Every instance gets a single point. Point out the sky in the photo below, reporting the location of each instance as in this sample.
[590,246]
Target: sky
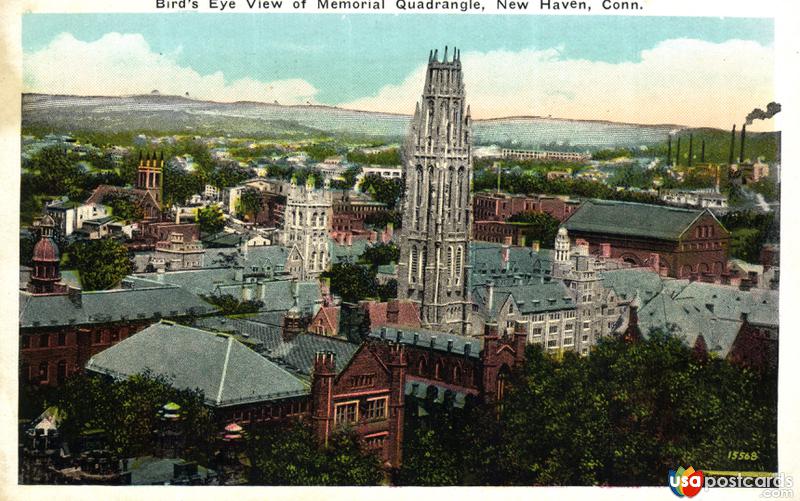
[688,71]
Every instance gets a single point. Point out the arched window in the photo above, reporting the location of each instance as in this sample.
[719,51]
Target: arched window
[459,193]
[422,366]
[44,372]
[457,374]
[437,370]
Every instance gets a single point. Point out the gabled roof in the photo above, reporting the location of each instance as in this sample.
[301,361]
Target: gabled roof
[226,371]
[534,297]
[632,219]
[109,306]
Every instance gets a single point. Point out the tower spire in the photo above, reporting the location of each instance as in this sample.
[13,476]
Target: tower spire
[434,250]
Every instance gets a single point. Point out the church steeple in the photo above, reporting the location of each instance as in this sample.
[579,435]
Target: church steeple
[437,160]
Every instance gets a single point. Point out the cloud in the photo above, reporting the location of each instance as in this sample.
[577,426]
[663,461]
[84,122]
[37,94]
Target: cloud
[681,81]
[125,64]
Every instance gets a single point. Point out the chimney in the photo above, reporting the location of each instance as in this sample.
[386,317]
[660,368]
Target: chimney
[393,311]
[449,345]
[505,249]
[741,146]
[733,145]
[605,250]
[373,236]
[521,240]
[349,239]
[467,349]
[535,246]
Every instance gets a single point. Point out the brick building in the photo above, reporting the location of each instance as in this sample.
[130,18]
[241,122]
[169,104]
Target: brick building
[681,243]
[501,206]
[60,328]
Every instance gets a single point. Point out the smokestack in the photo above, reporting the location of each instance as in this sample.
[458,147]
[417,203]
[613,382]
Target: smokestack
[678,154]
[691,140]
[669,149]
[703,152]
[741,148]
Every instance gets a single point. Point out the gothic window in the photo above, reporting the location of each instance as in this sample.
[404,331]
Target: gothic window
[437,370]
[413,265]
[422,367]
[423,262]
[459,193]
[450,263]
[449,184]
[459,264]
[457,374]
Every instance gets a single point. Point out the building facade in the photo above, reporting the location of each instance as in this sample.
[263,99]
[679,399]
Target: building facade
[437,211]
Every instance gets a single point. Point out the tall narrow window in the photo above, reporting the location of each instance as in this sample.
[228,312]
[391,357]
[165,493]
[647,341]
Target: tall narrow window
[423,262]
[413,265]
[459,264]
[450,262]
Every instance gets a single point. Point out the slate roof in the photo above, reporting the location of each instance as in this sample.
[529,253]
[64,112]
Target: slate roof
[226,371]
[529,298]
[347,253]
[632,219]
[109,306]
[689,309]
[297,354]
[435,340]
[277,294]
[420,390]
[486,261]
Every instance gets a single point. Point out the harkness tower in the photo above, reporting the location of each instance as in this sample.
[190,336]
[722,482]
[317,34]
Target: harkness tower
[437,163]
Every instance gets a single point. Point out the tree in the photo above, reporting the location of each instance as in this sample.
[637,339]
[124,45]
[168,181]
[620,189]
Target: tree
[249,203]
[287,454]
[387,191]
[230,305]
[123,207]
[622,416]
[102,264]
[380,254]
[126,411]
[538,226]
[210,219]
[353,282]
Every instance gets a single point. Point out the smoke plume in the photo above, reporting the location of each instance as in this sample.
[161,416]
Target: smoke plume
[759,114]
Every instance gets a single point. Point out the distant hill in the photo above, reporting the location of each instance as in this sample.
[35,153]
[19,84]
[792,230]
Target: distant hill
[175,114]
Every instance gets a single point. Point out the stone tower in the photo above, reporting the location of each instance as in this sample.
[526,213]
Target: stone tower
[562,246]
[437,209]
[150,175]
[306,223]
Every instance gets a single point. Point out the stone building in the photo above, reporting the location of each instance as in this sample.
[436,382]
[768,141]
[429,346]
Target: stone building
[306,229]
[437,209]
